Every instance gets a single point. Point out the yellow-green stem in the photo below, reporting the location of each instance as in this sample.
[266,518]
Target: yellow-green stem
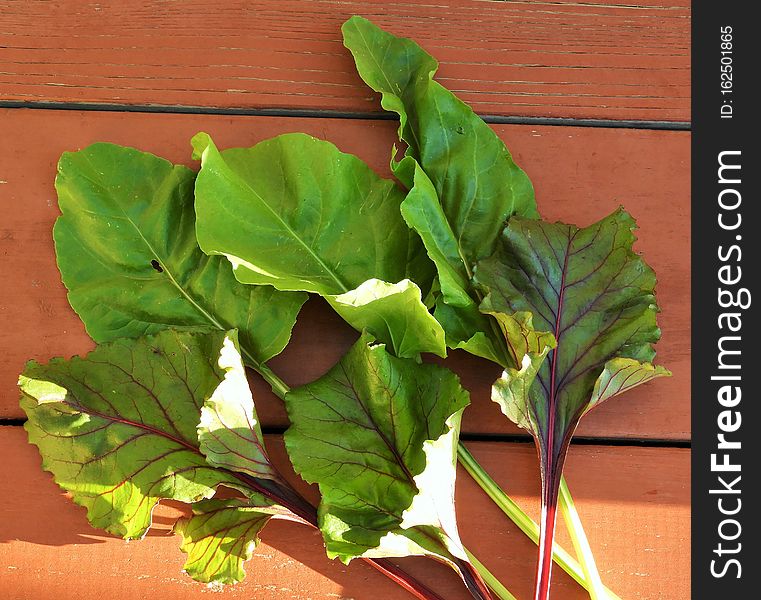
[596,588]
[500,591]
[525,523]
[279,387]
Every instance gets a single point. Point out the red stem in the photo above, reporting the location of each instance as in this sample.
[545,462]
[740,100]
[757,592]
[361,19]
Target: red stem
[473,581]
[399,576]
[552,470]
[282,493]
[547,529]
[551,462]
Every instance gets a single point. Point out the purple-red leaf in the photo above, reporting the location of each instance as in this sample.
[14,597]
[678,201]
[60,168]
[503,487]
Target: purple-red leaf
[117,428]
[595,296]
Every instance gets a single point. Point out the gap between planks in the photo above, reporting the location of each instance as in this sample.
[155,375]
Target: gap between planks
[511,438]
[337,114]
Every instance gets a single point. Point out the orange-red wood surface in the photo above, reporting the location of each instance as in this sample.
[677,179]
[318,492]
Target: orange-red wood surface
[634,502]
[612,60]
[560,58]
[580,175]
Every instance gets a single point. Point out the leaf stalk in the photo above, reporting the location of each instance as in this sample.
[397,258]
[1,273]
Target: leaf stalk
[581,545]
[525,523]
[550,489]
[499,590]
[279,387]
[475,582]
[289,498]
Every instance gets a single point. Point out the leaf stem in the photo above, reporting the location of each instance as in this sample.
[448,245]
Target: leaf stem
[282,493]
[571,517]
[500,591]
[279,387]
[402,578]
[547,520]
[525,523]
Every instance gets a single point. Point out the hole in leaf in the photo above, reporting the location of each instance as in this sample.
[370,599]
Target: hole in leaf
[156,265]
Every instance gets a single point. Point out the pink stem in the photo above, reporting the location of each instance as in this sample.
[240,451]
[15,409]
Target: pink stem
[552,471]
[544,567]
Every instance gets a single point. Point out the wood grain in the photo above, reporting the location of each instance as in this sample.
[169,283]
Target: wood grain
[634,502]
[580,175]
[559,58]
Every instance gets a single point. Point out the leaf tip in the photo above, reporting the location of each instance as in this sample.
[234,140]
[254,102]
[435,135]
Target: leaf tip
[200,142]
[354,21]
[661,371]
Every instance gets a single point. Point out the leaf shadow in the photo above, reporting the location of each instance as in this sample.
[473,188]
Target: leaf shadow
[37,512]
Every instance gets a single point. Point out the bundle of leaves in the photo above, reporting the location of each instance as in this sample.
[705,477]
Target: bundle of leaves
[184,278]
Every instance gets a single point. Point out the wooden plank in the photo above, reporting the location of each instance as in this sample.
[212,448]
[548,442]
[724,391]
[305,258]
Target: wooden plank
[580,174]
[602,59]
[634,502]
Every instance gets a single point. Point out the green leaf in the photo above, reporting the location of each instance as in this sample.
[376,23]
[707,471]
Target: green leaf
[476,180]
[220,536]
[378,434]
[621,375]
[296,213]
[464,183]
[521,339]
[512,390]
[457,308]
[596,296]
[393,314]
[117,428]
[470,330]
[590,290]
[128,255]
[424,213]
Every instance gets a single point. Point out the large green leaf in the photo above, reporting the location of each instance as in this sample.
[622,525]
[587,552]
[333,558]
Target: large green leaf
[117,428]
[476,180]
[463,182]
[378,434]
[221,535]
[128,255]
[296,213]
[595,299]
